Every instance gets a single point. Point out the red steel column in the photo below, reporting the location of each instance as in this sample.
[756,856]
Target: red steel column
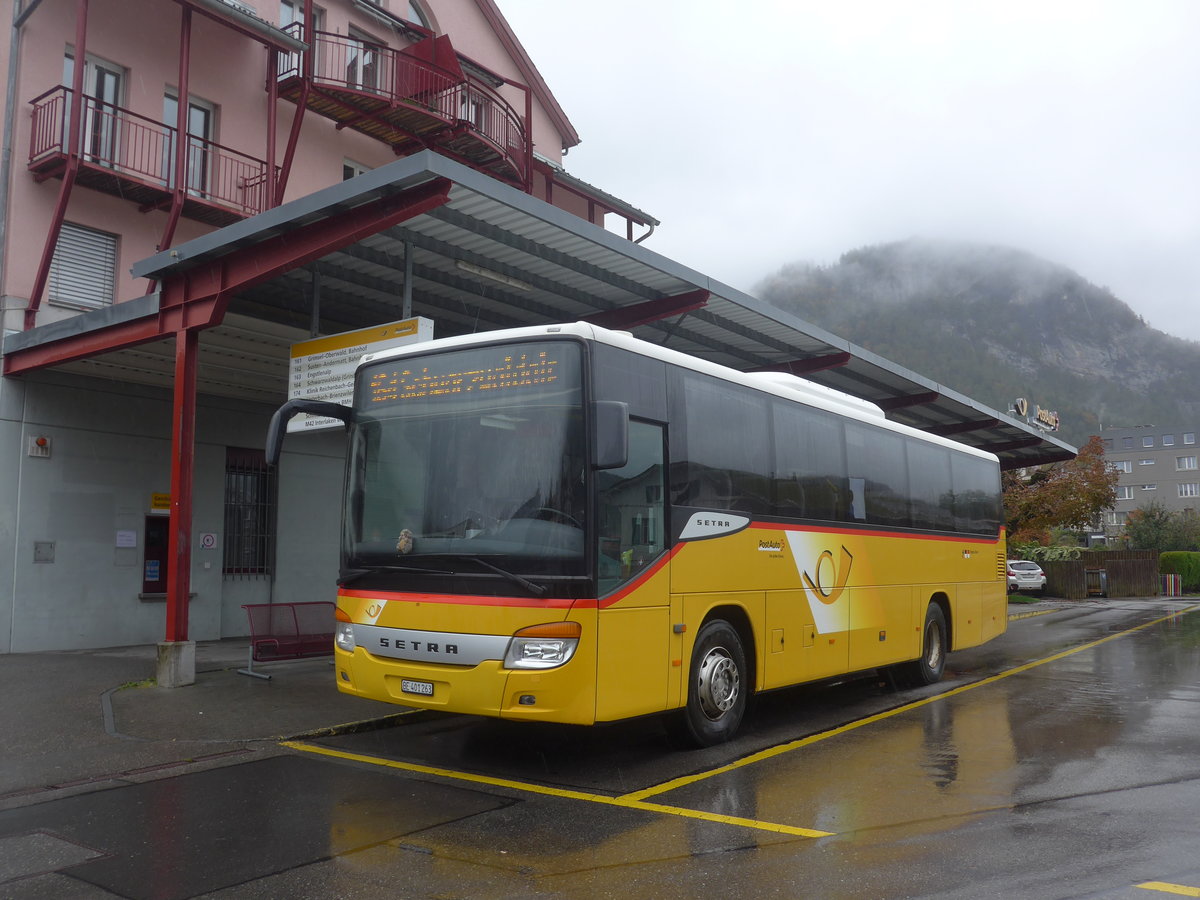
[74,150]
[183,453]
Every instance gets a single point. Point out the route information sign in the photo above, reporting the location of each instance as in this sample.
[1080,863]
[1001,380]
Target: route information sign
[323,368]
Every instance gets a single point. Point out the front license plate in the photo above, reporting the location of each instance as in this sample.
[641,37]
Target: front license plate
[425,688]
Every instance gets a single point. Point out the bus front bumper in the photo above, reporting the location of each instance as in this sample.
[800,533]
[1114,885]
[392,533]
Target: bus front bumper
[563,694]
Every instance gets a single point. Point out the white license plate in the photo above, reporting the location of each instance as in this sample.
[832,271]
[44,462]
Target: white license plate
[425,688]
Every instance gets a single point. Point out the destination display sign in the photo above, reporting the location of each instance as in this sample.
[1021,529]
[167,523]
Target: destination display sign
[323,368]
[470,373]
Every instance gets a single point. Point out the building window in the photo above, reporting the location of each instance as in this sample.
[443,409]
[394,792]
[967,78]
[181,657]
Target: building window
[1127,442]
[104,85]
[1150,487]
[1168,440]
[1125,493]
[201,129]
[84,268]
[291,20]
[417,15]
[1116,518]
[1184,462]
[351,169]
[1145,462]
[249,513]
[362,61]
[1123,465]
[1147,442]
[1189,490]
[1189,437]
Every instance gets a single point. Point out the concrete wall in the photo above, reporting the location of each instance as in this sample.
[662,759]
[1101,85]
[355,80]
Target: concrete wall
[110,451]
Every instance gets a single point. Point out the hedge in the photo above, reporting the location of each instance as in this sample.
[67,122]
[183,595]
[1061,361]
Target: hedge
[1185,564]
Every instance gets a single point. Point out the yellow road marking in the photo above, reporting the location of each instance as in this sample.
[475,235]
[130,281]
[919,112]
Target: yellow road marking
[637,799]
[780,749]
[1165,888]
[1037,612]
[530,788]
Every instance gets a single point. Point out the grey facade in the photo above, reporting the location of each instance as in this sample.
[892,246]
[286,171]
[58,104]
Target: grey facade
[1155,464]
[73,524]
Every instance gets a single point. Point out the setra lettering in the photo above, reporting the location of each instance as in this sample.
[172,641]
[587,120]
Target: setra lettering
[419,646]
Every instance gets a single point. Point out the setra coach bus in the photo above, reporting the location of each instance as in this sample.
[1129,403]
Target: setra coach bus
[567,524]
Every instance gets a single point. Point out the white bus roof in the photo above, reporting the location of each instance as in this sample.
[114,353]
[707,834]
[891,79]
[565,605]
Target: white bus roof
[781,384]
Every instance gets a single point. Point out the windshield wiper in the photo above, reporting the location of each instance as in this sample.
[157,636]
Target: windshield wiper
[346,576]
[536,589]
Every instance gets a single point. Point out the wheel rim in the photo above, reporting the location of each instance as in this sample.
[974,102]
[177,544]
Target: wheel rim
[933,646]
[719,683]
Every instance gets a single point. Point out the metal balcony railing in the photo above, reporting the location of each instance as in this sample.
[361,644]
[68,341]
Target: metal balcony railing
[136,147]
[418,98]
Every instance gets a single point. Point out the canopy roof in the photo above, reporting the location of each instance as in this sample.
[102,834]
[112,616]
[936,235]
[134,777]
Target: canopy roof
[483,255]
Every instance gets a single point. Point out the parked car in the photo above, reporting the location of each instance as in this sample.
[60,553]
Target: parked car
[1025,576]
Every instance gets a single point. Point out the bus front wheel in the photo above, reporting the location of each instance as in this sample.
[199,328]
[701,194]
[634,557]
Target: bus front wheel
[935,642]
[717,689]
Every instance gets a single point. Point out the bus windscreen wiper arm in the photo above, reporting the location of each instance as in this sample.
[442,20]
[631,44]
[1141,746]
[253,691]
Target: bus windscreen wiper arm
[536,589]
[346,576]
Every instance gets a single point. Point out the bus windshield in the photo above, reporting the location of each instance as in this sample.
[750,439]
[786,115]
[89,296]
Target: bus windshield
[472,456]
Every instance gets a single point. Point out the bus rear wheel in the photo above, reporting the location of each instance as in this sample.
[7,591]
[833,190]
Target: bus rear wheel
[717,689]
[935,643]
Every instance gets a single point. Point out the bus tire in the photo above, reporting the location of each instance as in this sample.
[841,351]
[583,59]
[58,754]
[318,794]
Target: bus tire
[717,689]
[935,641]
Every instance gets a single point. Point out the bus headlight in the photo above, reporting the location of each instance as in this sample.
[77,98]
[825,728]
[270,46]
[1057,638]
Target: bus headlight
[543,646]
[343,637]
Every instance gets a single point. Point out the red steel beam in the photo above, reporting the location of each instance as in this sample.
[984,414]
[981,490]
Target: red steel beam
[908,400]
[288,250]
[962,427]
[812,364]
[197,298]
[183,446]
[650,311]
[74,151]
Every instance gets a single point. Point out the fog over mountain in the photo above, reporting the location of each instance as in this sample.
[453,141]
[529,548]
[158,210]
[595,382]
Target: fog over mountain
[996,324]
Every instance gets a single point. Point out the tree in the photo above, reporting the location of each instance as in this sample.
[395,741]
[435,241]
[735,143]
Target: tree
[1069,494]
[1154,527]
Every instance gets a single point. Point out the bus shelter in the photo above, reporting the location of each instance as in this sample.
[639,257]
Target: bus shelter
[426,236]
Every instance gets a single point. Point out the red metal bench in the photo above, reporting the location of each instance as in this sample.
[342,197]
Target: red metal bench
[288,631]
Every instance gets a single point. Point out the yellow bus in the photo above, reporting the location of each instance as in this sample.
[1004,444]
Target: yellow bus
[567,524]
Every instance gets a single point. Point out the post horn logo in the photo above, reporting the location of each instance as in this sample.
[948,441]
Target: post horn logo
[841,575]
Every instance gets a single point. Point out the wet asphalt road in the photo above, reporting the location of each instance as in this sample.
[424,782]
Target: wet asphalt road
[1058,761]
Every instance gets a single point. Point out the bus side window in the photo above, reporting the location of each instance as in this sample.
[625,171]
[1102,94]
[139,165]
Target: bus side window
[632,518]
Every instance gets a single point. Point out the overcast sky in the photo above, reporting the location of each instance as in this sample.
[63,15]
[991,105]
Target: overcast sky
[767,132]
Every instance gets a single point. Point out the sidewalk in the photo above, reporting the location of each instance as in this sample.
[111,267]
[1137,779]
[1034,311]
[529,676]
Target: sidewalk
[75,720]
[79,720]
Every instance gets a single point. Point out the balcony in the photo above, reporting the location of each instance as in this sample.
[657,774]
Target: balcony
[133,157]
[409,102]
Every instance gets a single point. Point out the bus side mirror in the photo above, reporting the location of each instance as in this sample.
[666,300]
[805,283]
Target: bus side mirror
[611,435]
[278,427]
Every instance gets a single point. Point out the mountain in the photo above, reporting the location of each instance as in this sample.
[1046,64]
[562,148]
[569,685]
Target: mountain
[996,324]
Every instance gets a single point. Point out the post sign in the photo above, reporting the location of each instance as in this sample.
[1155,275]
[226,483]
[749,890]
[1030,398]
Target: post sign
[323,368]
[1045,419]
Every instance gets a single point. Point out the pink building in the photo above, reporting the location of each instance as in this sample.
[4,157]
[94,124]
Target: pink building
[105,366]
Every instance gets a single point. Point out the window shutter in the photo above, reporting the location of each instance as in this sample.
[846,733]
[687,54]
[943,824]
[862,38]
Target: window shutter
[84,268]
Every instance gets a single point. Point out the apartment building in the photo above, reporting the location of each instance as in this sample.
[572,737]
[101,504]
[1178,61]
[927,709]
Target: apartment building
[134,402]
[1155,464]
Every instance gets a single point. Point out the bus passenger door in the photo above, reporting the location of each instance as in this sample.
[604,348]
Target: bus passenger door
[633,624]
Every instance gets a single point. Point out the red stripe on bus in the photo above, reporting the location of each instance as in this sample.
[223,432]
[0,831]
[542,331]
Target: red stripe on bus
[868,532]
[641,579]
